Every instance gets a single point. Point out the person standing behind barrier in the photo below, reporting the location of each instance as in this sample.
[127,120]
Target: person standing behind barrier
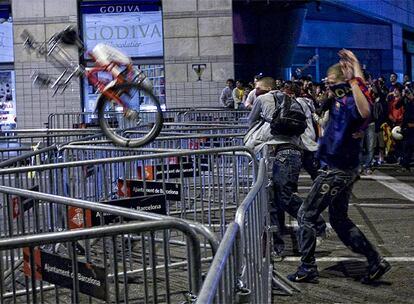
[407,126]
[309,139]
[393,82]
[287,158]
[395,117]
[226,97]
[379,115]
[238,93]
[251,97]
[339,148]
[368,139]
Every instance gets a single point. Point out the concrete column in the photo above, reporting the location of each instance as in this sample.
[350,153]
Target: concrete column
[42,18]
[197,32]
[397,51]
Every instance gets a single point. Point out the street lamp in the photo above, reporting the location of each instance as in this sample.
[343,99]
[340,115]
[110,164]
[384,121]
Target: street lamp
[199,69]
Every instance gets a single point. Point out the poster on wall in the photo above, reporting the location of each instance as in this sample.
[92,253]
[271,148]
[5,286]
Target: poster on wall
[135,33]
[7,101]
[6,41]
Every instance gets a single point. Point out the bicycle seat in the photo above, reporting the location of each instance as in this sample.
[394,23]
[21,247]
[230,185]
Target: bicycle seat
[106,54]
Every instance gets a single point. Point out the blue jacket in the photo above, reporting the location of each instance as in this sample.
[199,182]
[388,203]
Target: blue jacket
[337,147]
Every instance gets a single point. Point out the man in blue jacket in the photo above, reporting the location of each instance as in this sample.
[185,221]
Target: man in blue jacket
[339,149]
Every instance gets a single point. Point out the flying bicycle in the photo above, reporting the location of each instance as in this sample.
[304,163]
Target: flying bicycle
[129,91]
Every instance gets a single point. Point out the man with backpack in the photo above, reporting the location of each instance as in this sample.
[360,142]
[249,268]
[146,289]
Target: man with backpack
[339,149]
[277,120]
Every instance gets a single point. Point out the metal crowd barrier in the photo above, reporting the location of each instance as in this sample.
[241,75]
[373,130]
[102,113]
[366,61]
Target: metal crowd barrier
[206,127]
[197,141]
[28,138]
[216,115]
[167,256]
[177,140]
[89,119]
[241,271]
[204,185]
[72,120]
[109,272]
[11,152]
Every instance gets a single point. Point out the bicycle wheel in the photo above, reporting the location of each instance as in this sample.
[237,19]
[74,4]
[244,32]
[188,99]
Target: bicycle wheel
[136,125]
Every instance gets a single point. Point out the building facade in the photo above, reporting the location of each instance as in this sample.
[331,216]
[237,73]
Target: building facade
[183,41]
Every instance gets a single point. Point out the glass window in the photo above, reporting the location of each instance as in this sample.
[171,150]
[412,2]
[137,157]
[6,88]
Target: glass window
[154,72]
[7,100]
[6,35]
[6,41]
[137,34]
[7,79]
[135,28]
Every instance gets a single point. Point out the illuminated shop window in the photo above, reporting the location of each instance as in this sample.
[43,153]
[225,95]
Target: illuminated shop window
[7,79]
[135,28]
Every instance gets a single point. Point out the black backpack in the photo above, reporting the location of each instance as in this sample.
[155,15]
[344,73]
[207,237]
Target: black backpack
[289,117]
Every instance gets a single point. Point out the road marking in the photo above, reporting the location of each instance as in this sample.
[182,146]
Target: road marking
[294,224]
[385,205]
[344,259]
[390,182]
[395,185]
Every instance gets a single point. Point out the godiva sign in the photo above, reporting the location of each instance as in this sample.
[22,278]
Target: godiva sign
[119,9]
[136,33]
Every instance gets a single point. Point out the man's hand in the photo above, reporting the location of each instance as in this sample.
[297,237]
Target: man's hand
[350,64]
[359,134]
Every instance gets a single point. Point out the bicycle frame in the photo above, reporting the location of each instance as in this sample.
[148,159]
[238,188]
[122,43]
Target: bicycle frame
[104,87]
[62,60]
[126,80]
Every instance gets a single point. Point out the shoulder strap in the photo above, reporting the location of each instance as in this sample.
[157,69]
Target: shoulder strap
[278,102]
[275,98]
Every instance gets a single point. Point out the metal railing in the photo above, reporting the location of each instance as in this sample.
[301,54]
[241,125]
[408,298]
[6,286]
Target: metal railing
[89,119]
[51,276]
[241,271]
[207,182]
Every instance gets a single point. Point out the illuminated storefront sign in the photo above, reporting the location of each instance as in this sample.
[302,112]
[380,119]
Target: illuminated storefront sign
[135,28]
[132,28]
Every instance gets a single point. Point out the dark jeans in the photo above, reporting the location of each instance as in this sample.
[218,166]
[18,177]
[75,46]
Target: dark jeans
[331,189]
[286,169]
[311,163]
[369,144]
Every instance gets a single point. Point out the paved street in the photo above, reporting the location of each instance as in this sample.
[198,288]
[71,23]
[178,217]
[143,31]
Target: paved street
[383,207]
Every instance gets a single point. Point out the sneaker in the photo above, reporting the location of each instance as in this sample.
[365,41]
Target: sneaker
[376,271]
[368,171]
[304,275]
[276,256]
[319,241]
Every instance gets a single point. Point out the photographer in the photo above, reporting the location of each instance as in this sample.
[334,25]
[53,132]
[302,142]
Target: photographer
[407,126]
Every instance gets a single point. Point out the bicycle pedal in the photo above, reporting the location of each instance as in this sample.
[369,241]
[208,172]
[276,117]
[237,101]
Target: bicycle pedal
[131,115]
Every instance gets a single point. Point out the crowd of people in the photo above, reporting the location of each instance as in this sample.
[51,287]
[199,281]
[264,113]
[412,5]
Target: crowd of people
[348,116]
[393,106]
